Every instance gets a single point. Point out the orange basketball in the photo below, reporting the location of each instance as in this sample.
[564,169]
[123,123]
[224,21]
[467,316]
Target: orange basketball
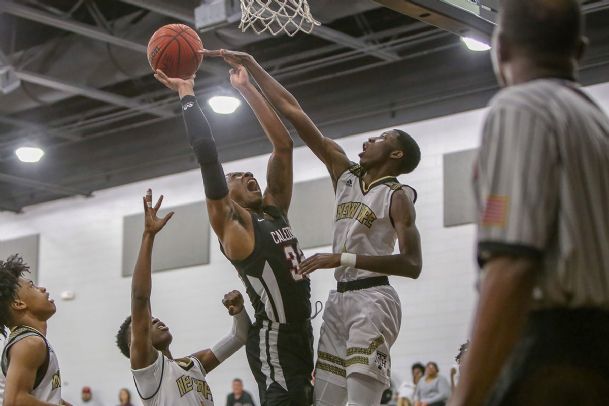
[175,49]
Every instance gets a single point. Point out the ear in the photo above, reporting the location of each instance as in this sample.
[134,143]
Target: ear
[582,47]
[18,305]
[503,51]
[396,154]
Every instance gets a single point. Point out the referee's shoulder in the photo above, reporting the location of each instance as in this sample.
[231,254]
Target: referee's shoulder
[532,97]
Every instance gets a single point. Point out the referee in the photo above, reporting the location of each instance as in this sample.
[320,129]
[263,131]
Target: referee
[541,331]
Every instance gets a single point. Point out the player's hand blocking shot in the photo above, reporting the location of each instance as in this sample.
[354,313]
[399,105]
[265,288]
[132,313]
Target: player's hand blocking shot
[160,378]
[374,211]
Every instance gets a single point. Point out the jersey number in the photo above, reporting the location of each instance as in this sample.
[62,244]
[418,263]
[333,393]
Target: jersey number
[294,256]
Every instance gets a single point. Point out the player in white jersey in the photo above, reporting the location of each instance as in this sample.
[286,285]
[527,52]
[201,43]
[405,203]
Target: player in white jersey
[363,316]
[29,367]
[160,378]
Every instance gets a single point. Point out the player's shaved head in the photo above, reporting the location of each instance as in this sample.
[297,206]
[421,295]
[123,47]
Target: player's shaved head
[542,27]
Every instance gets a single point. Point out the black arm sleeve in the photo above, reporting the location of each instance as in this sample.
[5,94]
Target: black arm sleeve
[202,142]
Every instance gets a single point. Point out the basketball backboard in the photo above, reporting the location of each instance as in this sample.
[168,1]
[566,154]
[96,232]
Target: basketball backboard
[466,18]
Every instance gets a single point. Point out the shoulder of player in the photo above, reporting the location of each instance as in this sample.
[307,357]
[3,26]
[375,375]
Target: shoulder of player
[353,169]
[188,363]
[401,189]
[32,347]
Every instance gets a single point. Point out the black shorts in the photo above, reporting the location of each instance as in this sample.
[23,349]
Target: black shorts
[561,360]
[281,359]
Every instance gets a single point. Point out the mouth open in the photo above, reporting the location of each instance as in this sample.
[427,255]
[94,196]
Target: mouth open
[252,185]
[161,326]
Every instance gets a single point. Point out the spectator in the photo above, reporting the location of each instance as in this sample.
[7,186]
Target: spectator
[406,390]
[124,397]
[239,397]
[87,397]
[433,389]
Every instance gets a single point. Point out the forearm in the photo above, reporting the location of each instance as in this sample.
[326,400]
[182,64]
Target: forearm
[141,283]
[203,144]
[408,266]
[278,95]
[505,299]
[268,119]
[235,339]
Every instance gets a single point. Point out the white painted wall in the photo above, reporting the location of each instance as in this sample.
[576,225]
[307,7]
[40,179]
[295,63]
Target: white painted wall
[80,250]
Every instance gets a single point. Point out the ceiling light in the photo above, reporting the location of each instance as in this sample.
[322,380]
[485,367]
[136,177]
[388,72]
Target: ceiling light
[29,154]
[224,104]
[475,45]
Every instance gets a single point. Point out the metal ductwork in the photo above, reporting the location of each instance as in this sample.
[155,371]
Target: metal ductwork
[95,59]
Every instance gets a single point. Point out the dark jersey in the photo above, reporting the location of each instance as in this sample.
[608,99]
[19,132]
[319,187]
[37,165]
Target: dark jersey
[276,291]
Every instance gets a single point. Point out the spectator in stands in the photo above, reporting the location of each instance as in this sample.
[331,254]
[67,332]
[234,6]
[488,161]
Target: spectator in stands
[87,397]
[124,397]
[239,397]
[433,389]
[406,390]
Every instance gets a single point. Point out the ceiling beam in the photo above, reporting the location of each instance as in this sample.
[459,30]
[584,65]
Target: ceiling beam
[92,93]
[165,8]
[85,30]
[26,125]
[338,37]
[48,187]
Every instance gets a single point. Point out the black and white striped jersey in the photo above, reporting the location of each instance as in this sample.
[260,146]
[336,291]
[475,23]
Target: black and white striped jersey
[270,276]
[542,185]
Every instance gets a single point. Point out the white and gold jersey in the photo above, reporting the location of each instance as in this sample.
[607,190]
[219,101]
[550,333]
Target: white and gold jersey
[47,384]
[362,224]
[173,382]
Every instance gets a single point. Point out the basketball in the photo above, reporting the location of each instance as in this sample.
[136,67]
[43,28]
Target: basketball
[175,49]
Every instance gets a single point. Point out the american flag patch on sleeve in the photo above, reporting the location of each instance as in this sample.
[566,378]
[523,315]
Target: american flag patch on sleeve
[495,211]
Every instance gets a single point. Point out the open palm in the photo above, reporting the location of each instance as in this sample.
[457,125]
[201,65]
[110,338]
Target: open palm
[152,223]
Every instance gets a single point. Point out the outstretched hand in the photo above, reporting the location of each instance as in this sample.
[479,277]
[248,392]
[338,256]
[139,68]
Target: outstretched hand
[233,301]
[176,84]
[152,223]
[319,261]
[231,57]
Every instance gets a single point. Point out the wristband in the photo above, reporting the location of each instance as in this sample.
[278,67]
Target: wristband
[347,259]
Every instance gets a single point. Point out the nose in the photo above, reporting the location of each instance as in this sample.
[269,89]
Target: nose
[42,289]
[155,320]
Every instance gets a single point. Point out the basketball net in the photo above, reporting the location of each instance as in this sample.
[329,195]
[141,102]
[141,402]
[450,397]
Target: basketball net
[277,16]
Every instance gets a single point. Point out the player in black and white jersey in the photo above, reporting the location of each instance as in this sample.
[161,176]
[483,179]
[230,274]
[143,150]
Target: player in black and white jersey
[256,237]
[29,367]
[160,378]
[362,318]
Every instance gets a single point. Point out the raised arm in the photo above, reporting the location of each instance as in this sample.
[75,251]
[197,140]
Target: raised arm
[234,340]
[142,353]
[327,150]
[407,263]
[26,357]
[229,220]
[279,170]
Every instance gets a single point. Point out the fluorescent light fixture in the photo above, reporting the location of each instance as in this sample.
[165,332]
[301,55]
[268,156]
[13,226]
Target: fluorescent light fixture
[29,154]
[224,104]
[475,45]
